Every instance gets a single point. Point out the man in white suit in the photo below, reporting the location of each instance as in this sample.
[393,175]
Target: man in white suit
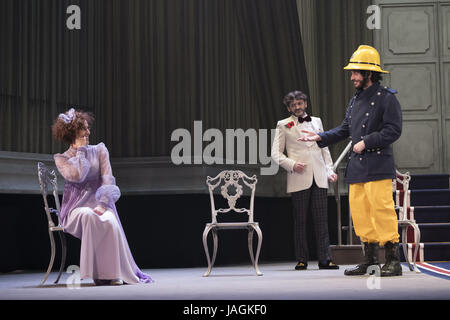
[309,168]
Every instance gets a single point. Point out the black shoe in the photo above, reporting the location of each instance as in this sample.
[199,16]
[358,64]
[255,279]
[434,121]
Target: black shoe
[301,266]
[328,265]
[362,269]
[358,270]
[392,267]
[370,260]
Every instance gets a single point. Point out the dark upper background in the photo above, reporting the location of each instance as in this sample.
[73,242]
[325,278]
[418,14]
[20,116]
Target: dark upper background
[145,68]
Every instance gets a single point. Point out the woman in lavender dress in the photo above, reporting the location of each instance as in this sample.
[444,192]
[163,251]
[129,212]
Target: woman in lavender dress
[88,209]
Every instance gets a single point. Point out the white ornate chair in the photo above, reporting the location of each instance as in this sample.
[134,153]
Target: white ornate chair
[224,180]
[48,182]
[406,217]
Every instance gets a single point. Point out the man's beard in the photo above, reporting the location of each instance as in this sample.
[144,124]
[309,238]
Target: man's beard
[363,83]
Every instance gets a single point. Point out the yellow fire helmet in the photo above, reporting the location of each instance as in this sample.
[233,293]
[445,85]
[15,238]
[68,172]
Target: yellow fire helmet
[365,58]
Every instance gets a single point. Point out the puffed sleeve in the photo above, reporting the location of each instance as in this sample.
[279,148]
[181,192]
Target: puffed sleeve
[74,169]
[108,192]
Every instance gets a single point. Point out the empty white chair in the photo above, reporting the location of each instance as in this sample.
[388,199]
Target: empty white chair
[224,180]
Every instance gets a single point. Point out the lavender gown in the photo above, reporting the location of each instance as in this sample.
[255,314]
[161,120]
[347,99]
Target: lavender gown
[105,253]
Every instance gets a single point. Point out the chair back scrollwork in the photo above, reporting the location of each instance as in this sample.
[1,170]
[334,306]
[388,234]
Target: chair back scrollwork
[48,182]
[400,185]
[234,179]
[49,187]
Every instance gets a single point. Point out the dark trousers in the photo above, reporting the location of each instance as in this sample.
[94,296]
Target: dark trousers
[313,202]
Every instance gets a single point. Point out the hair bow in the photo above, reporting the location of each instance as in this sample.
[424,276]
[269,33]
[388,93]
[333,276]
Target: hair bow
[68,116]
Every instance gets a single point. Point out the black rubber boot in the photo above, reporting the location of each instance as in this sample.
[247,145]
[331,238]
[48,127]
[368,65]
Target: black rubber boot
[370,259]
[392,267]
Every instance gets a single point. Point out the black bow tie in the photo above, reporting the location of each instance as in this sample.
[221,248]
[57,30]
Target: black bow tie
[307,118]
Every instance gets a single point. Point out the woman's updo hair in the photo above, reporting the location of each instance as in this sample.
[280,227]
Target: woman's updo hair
[67,125]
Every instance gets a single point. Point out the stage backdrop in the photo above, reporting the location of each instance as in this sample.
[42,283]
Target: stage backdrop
[145,68]
[415,48]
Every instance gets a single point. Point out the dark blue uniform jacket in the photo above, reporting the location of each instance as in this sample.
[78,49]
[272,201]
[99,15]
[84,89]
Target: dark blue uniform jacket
[373,115]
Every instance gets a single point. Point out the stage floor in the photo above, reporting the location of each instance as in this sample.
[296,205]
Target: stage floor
[279,282]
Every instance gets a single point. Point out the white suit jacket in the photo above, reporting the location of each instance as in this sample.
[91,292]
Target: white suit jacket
[319,164]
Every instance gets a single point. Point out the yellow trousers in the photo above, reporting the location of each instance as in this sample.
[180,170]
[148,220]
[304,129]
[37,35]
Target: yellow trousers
[373,213]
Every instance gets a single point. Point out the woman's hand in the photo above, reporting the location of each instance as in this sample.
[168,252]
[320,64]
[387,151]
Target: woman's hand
[99,210]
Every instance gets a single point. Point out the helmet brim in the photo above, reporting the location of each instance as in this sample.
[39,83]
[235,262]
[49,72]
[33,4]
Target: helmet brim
[369,67]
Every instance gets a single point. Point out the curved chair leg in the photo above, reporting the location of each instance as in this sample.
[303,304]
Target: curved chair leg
[405,246]
[52,256]
[205,245]
[62,238]
[215,238]
[250,244]
[417,243]
[258,250]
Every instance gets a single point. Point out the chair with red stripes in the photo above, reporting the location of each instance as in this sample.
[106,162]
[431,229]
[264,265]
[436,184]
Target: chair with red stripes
[410,229]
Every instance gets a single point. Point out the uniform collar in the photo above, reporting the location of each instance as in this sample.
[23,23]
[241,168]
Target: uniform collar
[370,91]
